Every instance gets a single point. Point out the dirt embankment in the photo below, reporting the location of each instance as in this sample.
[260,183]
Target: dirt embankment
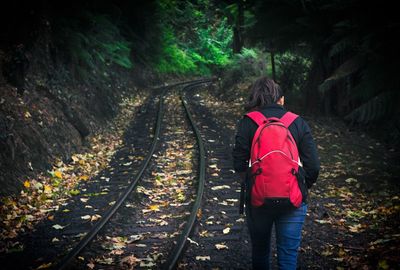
[47,112]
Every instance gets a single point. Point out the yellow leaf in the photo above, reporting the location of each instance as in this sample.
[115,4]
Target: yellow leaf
[27,114]
[154,207]
[45,265]
[84,177]
[27,184]
[50,217]
[47,188]
[382,264]
[58,174]
[356,228]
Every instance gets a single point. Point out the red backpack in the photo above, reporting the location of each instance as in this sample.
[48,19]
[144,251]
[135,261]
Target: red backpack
[274,162]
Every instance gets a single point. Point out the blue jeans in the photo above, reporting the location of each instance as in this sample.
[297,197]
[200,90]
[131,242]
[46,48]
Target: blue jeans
[288,227]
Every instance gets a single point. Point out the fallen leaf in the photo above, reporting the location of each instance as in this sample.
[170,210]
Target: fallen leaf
[75,158]
[220,187]
[86,217]
[154,207]
[129,260]
[45,265]
[58,174]
[105,260]
[134,238]
[226,230]
[192,241]
[351,180]
[27,184]
[323,221]
[27,114]
[74,192]
[117,252]
[58,227]
[382,264]
[221,246]
[95,217]
[84,177]
[47,189]
[326,253]
[146,264]
[203,258]
[355,228]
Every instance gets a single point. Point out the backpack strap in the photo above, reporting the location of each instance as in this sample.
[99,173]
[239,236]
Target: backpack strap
[257,117]
[288,118]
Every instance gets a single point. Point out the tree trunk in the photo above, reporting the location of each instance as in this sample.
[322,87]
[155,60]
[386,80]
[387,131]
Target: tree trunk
[315,78]
[237,29]
[273,65]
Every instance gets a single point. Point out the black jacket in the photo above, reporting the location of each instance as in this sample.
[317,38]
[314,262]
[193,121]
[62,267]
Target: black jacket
[300,131]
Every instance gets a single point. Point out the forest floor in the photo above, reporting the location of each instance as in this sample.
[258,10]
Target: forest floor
[354,208]
[353,217]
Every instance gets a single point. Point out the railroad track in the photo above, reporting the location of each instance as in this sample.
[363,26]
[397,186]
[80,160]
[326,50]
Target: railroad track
[143,227]
[221,237]
[160,218]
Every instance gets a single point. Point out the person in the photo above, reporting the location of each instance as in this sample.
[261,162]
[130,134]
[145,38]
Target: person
[267,97]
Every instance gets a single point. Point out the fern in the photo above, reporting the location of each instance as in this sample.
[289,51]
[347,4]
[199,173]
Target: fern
[344,70]
[373,110]
[341,46]
[93,47]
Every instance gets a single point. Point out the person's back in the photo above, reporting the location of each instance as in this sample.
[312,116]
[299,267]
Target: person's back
[267,98]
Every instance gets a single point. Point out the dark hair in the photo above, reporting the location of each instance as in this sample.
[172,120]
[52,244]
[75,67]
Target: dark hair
[264,91]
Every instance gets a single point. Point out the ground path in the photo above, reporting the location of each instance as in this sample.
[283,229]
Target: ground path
[353,217]
[354,210]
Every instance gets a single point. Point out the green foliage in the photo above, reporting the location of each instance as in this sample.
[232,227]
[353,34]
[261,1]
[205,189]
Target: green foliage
[248,63]
[215,43]
[193,42]
[292,71]
[95,46]
[174,59]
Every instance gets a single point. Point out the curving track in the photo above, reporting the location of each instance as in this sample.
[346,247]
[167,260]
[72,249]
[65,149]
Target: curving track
[164,202]
[169,240]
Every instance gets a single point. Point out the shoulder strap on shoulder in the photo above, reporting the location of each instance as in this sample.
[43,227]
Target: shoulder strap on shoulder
[288,118]
[257,117]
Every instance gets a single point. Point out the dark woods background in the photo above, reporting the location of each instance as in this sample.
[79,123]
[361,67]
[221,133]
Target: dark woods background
[333,58]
